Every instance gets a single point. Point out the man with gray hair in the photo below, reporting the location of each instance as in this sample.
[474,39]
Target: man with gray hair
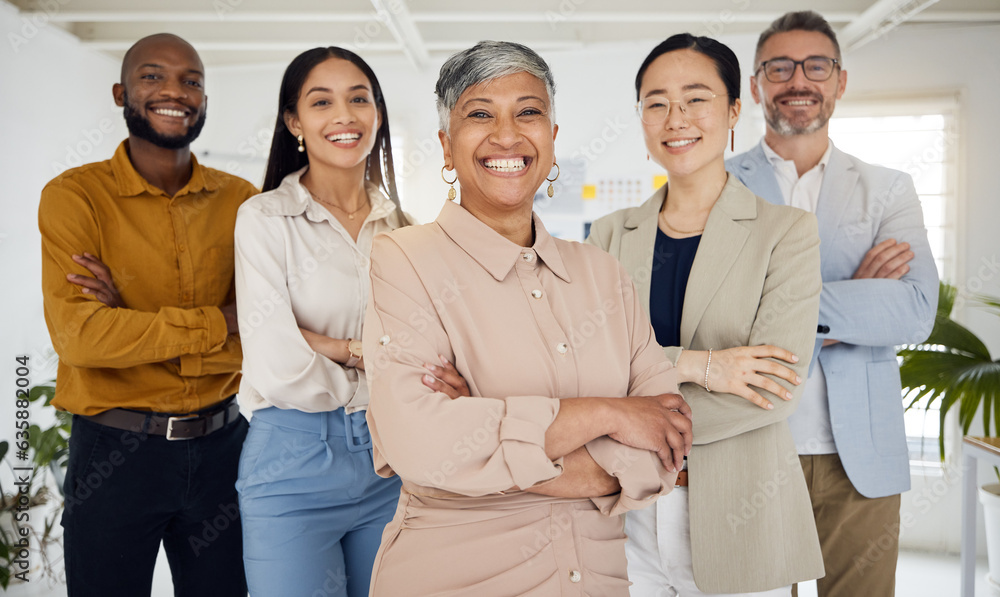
[879,290]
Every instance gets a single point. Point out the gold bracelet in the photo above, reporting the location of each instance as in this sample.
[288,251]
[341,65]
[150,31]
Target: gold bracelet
[707,367]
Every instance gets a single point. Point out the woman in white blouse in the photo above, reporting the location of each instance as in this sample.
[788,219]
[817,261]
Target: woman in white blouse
[313,508]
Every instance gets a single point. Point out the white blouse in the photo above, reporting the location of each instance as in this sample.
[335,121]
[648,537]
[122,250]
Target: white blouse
[297,266]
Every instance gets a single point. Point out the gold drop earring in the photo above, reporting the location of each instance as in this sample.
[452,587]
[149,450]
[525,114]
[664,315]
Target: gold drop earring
[452,193]
[551,190]
[302,146]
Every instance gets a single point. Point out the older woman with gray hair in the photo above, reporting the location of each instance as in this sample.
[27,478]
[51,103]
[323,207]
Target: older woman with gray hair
[560,410]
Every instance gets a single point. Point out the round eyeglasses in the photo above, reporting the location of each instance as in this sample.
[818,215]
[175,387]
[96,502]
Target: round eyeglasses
[815,68]
[694,105]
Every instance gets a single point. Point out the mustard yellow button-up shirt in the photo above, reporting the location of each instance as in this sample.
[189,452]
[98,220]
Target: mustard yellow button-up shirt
[172,261]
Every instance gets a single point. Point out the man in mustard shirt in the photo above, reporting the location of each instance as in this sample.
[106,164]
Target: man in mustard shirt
[137,278]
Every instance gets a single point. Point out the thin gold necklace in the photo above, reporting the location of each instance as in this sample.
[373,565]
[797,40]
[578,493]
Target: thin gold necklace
[350,214]
[663,216]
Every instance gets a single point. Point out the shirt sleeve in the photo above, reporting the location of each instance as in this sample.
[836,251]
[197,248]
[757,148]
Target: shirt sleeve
[639,472]
[879,312]
[229,359]
[87,333]
[471,445]
[786,317]
[278,363]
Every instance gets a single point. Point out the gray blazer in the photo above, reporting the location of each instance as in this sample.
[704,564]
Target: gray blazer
[755,280]
[859,206]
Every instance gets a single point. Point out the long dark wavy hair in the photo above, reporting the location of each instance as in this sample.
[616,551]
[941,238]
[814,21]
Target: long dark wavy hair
[285,156]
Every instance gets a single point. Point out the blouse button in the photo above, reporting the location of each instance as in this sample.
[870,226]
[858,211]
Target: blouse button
[384,340]
[528,256]
[536,293]
[562,348]
[575,576]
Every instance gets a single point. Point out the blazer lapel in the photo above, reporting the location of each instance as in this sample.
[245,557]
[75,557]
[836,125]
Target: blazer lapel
[835,195]
[636,250]
[756,173]
[718,250]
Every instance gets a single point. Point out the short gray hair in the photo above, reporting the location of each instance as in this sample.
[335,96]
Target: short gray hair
[803,20]
[485,61]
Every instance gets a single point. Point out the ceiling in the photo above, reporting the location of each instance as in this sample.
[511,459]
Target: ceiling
[250,32]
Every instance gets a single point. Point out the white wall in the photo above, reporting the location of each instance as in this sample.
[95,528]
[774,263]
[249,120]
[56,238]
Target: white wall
[56,108]
[57,98]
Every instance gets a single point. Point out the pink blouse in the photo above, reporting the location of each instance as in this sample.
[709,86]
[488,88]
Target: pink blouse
[525,327]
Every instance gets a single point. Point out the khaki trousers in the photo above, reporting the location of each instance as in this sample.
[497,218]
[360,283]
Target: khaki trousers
[859,536]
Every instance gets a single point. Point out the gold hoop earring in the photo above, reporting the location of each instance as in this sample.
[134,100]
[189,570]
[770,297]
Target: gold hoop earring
[551,190]
[452,193]
[302,146]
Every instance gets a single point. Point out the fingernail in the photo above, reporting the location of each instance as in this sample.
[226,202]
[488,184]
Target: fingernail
[428,379]
[431,368]
[798,379]
[788,395]
[770,406]
[444,361]
[795,358]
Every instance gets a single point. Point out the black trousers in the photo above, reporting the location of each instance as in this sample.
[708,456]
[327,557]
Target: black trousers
[128,492]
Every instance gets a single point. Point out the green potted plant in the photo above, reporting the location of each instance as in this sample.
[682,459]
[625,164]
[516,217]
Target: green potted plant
[21,505]
[955,369]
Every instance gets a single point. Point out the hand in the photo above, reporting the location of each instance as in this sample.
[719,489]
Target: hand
[887,260]
[446,379]
[101,286]
[582,477]
[735,370]
[232,323]
[660,424]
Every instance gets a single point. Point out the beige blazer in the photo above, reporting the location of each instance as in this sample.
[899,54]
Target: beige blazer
[755,280]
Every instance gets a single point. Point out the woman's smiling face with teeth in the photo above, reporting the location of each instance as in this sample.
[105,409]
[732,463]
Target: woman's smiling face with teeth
[501,142]
[680,144]
[336,115]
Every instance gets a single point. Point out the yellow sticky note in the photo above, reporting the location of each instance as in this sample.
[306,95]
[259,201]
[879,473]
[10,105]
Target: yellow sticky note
[659,180]
[589,191]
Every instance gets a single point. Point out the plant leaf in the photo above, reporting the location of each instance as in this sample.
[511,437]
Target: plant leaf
[953,367]
[43,390]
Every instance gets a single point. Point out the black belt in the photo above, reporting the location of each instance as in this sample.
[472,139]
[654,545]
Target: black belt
[174,427]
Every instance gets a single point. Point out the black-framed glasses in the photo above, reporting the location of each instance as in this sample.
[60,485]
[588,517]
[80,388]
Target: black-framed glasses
[815,68]
[695,105]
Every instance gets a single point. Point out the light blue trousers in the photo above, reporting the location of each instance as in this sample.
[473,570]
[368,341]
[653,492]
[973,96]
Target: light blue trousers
[313,508]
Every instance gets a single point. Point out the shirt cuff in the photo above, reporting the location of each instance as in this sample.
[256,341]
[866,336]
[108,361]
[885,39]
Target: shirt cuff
[216,335]
[361,397]
[190,365]
[639,472]
[522,437]
[673,353]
